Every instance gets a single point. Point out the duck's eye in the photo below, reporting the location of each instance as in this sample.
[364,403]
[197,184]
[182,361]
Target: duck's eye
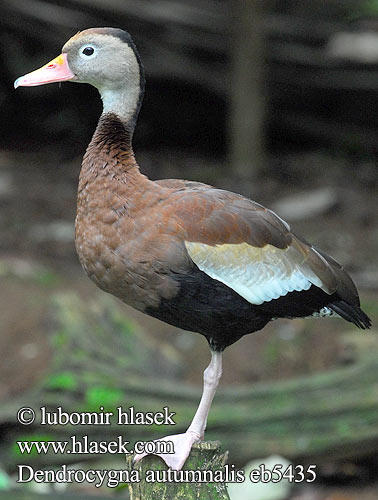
[88,51]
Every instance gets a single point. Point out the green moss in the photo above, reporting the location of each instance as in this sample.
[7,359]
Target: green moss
[107,397]
[65,381]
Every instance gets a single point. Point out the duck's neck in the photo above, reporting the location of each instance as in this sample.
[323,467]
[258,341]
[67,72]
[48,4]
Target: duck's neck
[113,136]
[112,133]
[110,152]
[124,103]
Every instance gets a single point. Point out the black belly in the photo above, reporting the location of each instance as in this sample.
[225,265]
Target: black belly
[209,307]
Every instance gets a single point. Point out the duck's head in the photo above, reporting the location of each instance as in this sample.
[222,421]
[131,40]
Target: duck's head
[105,58]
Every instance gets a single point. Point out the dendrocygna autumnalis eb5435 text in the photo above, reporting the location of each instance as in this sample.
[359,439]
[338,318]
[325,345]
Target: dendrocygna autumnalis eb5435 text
[200,258]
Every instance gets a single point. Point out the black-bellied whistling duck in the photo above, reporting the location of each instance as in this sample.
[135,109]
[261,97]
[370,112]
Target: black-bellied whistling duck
[194,256]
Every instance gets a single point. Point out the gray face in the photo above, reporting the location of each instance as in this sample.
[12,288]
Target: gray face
[102,60]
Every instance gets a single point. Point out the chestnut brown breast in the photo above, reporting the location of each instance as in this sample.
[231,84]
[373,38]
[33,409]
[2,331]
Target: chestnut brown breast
[128,237]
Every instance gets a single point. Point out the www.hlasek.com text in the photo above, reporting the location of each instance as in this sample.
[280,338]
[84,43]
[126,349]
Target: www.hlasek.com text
[85,446]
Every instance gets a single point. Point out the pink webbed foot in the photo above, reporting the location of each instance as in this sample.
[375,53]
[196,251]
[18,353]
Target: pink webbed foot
[181,446]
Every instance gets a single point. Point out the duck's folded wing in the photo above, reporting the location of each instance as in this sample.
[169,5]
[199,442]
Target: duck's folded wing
[253,251]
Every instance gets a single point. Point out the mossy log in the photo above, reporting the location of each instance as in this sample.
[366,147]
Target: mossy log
[204,458]
[100,360]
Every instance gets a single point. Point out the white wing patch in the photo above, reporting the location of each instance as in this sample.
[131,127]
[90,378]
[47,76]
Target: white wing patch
[257,274]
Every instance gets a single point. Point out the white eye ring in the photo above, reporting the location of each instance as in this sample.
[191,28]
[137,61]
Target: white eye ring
[88,52]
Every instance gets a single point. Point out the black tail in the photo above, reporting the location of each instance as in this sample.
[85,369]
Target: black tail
[351,313]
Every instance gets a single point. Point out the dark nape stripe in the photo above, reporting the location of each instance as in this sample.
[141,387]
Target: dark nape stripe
[126,38]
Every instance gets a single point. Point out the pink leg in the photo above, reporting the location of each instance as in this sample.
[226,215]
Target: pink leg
[183,442]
